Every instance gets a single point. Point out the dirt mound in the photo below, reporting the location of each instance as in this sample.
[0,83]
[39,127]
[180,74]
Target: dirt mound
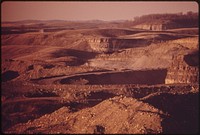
[116,115]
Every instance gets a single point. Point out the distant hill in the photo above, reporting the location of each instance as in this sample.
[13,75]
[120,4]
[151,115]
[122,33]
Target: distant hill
[156,22]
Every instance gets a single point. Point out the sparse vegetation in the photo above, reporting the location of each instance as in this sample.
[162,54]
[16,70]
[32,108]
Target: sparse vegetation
[190,19]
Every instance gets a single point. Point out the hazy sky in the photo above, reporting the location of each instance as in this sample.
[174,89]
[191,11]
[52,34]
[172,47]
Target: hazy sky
[12,11]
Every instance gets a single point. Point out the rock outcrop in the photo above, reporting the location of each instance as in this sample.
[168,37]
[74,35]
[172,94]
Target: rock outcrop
[109,44]
[184,69]
[156,27]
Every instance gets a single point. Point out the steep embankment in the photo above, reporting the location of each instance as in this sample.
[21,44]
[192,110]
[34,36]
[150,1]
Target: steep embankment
[156,55]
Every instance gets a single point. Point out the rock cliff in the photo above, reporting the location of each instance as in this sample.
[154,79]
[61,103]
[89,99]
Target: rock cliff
[156,27]
[109,44]
[184,69]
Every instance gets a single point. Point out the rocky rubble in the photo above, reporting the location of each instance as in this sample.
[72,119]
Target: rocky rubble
[115,115]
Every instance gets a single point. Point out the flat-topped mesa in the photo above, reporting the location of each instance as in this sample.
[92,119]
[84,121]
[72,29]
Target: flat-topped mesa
[110,44]
[184,69]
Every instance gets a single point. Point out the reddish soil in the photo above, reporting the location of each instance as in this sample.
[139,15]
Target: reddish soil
[54,82]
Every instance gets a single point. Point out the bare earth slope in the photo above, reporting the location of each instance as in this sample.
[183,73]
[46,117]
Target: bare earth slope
[126,115]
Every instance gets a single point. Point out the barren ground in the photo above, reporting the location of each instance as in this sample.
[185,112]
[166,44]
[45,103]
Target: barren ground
[53,82]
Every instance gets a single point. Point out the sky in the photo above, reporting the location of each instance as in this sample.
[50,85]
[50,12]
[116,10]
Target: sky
[48,10]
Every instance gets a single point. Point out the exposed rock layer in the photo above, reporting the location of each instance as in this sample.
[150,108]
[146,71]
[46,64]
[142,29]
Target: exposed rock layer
[107,44]
[184,69]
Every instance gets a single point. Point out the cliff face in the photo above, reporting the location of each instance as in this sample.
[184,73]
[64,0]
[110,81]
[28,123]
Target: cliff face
[159,22]
[157,27]
[107,44]
[184,69]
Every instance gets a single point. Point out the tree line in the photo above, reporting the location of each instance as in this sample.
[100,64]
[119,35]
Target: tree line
[188,19]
